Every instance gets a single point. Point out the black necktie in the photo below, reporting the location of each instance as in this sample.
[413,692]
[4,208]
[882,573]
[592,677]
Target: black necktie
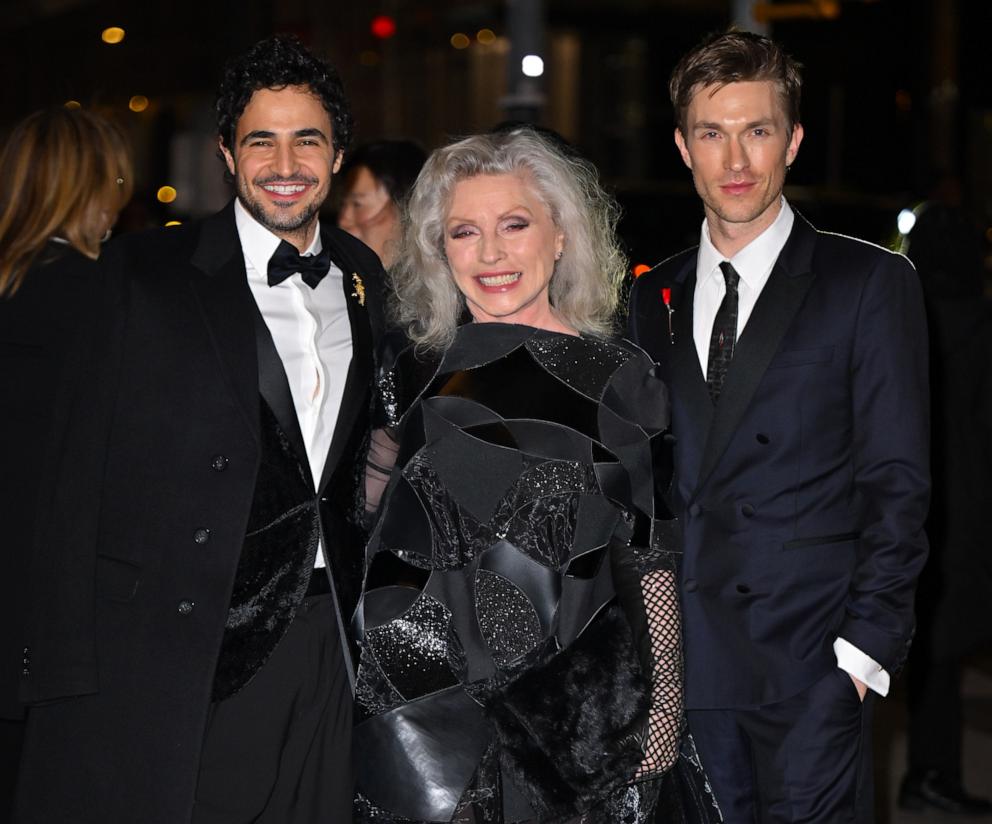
[724,334]
[286,261]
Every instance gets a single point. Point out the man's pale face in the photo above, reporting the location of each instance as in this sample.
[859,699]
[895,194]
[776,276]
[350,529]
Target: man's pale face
[283,159]
[738,146]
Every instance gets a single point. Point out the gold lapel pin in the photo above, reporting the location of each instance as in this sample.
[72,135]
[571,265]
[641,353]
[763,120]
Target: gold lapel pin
[359,292]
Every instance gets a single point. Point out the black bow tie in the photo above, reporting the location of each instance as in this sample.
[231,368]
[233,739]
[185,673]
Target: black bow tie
[286,261]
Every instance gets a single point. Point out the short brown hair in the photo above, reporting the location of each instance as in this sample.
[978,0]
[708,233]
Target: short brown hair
[733,57]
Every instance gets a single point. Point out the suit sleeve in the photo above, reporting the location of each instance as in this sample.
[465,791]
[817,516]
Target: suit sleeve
[890,398]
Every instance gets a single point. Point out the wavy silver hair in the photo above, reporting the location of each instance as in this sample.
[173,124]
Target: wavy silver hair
[585,286]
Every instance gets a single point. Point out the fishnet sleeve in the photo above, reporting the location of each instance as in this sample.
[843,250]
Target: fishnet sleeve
[665,715]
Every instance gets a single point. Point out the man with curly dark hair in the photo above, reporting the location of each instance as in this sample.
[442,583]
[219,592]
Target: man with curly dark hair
[189,660]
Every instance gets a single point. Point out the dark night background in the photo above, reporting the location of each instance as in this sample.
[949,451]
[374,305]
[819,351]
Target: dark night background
[897,99]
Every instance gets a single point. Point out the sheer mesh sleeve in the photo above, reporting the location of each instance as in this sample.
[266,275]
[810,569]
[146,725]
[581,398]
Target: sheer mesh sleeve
[383,449]
[664,731]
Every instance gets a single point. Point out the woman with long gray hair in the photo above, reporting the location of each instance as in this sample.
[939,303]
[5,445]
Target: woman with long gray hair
[519,627]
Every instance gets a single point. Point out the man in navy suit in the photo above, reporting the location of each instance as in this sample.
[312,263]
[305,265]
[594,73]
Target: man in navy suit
[798,369]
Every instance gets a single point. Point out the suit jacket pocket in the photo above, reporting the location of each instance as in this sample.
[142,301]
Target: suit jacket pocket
[116,579]
[802,357]
[821,540]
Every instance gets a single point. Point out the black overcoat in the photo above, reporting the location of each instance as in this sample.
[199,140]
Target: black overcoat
[148,513]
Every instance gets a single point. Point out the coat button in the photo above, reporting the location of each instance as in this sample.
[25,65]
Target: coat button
[747,510]
[744,589]
[690,585]
[695,510]
[219,463]
[762,438]
[185,607]
[201,536]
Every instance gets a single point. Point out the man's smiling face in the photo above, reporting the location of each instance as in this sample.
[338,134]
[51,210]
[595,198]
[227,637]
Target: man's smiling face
[283,159]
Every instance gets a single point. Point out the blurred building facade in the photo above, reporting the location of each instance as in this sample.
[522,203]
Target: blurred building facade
[894,97]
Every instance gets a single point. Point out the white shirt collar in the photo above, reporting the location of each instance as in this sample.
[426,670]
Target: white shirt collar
[259,244]
[754,261]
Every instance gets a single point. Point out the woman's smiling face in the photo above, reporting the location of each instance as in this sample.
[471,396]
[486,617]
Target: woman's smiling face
[501,243]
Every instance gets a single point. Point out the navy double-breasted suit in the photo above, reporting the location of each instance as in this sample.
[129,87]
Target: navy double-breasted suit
[803,492]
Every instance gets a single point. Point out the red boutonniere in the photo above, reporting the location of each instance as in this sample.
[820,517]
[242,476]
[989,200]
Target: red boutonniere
[666,296]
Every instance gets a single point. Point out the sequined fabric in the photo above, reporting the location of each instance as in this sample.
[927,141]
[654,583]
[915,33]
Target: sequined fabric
[522,463]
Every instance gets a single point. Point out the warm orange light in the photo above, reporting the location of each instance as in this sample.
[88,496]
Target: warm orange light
[166,194]
[485,36]
[460,41]
[113,35]
[73,104]
[138,103]
[812,9]
[640,269]
[173,223]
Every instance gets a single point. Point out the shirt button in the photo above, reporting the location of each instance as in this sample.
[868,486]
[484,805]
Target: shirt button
[695,510]
[185,607]
[201,536]
[219,463]
[747,510]
[690,585]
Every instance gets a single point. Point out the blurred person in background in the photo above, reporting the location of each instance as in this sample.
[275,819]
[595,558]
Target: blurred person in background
[64,176]
[956,584]
[377,178]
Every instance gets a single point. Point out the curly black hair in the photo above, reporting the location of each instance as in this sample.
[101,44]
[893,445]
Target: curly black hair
[274,63]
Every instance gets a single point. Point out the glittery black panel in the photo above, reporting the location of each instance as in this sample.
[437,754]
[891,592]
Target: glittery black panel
[517,462]
[508,620]
[585,364]
[275,565]
[374,693]
[412,650]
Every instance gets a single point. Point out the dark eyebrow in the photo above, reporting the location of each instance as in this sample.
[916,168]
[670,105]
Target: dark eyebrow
[263,133]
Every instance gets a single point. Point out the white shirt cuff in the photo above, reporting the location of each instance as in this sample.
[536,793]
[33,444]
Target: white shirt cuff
[854,662]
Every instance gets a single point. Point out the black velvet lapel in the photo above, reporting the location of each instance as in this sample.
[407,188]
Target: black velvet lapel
[356,389]
[772,316]
[274,386]
[228,307]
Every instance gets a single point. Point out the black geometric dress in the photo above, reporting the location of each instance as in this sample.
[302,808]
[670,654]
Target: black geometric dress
[519,629]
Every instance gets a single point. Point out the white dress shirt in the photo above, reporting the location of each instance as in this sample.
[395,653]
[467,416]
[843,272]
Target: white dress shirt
[311,333]
[754,264]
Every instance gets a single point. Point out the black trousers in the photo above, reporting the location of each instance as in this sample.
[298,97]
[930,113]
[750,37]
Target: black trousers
[278,751]
[805,759]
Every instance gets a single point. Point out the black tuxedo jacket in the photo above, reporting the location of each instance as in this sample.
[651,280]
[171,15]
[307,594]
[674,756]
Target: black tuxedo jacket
[148,516]
[803,492]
